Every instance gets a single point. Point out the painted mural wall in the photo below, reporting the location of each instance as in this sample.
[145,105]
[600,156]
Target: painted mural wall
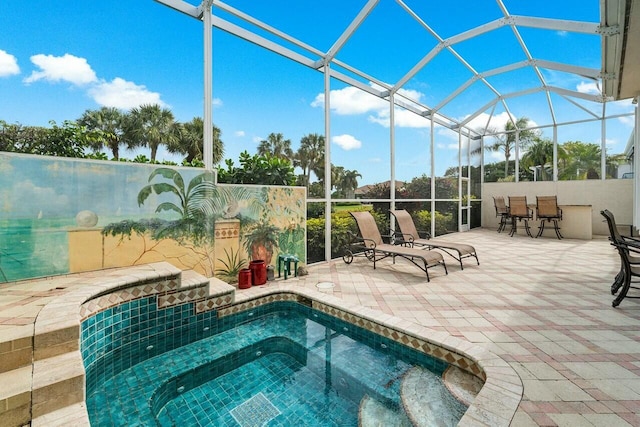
[61,216]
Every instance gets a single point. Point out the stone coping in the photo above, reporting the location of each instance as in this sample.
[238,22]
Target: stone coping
[495,404]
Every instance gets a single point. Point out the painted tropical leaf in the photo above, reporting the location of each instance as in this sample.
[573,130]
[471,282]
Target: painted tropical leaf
[169,174]
[206,177]
[159,188]
[168,206]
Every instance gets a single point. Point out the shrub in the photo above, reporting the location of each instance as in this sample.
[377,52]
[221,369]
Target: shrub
[341,224]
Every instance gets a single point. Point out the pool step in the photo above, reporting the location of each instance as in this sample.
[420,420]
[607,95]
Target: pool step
[373,413]
[16,349]
[57,382]
[42,361]
[15,396]
[424,399]
[463,385]
[72,415]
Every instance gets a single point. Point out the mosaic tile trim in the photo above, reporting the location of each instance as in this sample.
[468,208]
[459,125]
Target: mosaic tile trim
[249,305]
[174,298]
[213,303]
[168,295]
[124,295]
[416,343]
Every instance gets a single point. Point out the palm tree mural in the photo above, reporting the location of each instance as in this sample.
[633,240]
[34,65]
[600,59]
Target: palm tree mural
[197,205]
[189,141]
[151,126]
[202,198]
[276,146]
[110,122]
[193,199]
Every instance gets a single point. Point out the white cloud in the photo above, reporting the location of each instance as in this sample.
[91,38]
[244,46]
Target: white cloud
[8,64]
[627,120]
[350,100]
[375,160]
[346,142]
[122,94]
[497,121]
[353,101]
[588,87]
[67,68]
[239,133]
[403,118]
[257,139]
[216,102]
[562,33]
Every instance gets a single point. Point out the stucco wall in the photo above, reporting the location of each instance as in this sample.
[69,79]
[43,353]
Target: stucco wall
[613,194]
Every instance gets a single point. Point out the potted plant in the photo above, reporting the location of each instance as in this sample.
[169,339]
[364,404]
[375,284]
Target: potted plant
[261,241]
[231,266]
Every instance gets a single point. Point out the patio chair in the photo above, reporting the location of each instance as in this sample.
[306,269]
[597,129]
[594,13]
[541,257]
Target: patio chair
[633,258]
[409,234]
[502,211]
[547,210]
[370,243]
[519,211]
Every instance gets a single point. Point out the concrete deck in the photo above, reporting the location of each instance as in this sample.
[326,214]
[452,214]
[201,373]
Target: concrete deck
[542,305]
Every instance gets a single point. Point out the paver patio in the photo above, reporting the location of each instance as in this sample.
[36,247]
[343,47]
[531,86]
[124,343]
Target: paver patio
[543,305]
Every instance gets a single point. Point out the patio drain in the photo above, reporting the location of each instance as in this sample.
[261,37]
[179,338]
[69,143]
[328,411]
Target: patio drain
[325,285]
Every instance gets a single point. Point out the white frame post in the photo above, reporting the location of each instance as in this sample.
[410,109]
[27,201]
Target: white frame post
[207,150]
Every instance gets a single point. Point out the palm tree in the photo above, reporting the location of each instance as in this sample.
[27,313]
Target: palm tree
[190,141]
[506,142]
[150,126]
[337,172]
[309,155]
[582,162]
[540,153]
[349,183]
[110,122]
[276,146]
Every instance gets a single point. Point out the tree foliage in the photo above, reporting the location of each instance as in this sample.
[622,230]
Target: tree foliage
[258,169]
[150,126]
[67,140]
[190,142]
[108,123]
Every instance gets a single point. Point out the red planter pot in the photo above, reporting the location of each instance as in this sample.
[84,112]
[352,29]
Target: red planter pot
[258,272]
[244,279]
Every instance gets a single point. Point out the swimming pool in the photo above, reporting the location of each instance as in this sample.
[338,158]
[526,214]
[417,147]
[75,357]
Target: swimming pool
[281,363]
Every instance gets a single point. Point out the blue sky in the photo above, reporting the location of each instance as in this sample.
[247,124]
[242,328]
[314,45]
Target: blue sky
[58,59]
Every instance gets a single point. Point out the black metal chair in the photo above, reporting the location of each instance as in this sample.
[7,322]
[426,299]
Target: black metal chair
[502,211]
[629,250]
[519,211]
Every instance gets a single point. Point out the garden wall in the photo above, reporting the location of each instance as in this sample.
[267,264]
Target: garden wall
[63,215]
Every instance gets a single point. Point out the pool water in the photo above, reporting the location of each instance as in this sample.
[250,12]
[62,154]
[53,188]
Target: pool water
[282,364]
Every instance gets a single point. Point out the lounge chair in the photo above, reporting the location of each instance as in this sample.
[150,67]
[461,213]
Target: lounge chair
[409,234]
[629,250]
[370,243]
